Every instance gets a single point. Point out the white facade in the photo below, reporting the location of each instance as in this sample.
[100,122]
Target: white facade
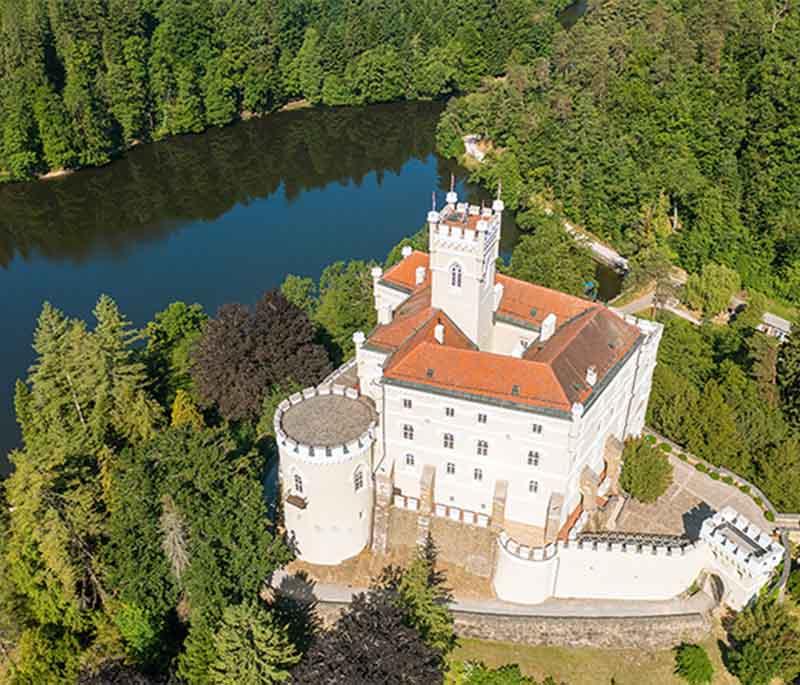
[483,458]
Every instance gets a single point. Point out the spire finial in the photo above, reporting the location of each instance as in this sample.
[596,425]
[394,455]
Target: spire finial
[452,182]
[499,188]
[433,201]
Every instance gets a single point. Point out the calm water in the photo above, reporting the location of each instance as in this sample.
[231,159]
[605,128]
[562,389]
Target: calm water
[569,16]
[214,218]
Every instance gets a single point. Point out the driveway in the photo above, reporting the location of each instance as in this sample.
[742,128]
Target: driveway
[692,497]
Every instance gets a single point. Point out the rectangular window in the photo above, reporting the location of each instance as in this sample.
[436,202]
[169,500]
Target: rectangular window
[448,441]
[533,458]
[533,486]
[406,404]
[298,483]
[451,468]
[537,428]
[449,411]
[358,480]
[481,418]
[408,432]
[483,448]
[477,474]
[409,460]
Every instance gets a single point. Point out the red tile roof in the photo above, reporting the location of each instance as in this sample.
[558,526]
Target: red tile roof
[404,273]
[551,375]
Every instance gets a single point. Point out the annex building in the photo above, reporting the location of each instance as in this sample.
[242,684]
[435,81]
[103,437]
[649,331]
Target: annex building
[490,412]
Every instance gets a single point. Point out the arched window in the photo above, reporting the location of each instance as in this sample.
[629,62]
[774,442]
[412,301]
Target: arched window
[449,442]
[483,448]
[298,483]
[455,275]
[358,479]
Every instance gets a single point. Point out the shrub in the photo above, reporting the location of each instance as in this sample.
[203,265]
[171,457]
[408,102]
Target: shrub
[758,501]
[646,471]
[727,479]
[701,467]
[714,475]
[769,515]
[650,439]
[665,447]
[683,456]
[693,665]
[745,489]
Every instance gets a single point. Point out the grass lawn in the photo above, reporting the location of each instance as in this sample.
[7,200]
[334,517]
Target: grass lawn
[583,666]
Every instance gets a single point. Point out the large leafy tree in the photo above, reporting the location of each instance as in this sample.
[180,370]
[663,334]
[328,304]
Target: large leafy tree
[788,373]
[646,471]
[549,256]
[693,665]
[370,643]
[243,352]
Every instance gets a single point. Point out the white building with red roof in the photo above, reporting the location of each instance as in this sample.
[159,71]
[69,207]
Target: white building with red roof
[494,404]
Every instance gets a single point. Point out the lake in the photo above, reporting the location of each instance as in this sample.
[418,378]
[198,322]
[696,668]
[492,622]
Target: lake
[218,217]
[215,218]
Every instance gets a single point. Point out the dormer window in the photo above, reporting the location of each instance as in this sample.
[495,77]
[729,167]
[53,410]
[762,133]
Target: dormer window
[455,275]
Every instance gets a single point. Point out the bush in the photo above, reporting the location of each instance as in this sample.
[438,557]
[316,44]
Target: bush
[758,501]
[665,447]
[693,665]
[727,479]
[701,467]
[683,457]
[646,471]
[769,515]
[650,439]
[745,489]
[714,475]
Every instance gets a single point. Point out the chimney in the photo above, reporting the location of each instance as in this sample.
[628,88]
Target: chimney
[385,315]
[548,328]
[376,272]
[419,275]
[438,333]
[406,251]
[358,339]
[591,376]
[519,349]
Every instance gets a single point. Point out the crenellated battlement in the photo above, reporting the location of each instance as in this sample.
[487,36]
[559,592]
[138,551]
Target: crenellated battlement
[737,541]
[337,411]
[660,546]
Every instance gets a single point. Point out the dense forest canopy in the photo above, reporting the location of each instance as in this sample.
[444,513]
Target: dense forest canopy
[659,123]
[81,81]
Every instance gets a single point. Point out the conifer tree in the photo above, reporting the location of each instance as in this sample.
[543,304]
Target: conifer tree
[185,412]
[251,647]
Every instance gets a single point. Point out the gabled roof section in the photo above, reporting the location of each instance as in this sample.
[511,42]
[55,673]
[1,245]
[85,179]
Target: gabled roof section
[403,274]
[527,304]
[549,378]
[414,322]
[596,337]
[483,374]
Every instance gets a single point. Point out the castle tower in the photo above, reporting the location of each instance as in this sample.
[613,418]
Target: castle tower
[325,439]
[464,246]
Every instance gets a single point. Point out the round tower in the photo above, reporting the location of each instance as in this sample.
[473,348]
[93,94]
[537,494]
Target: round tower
[325,439]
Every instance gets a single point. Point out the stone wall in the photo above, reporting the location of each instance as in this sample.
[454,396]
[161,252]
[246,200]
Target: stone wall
[628,632]
[470,547]
[631,632]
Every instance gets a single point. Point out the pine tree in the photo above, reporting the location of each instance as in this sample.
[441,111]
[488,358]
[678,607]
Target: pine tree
[251,648]
[185,412]
[423,596]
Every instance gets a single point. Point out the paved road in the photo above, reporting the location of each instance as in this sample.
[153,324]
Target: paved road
[594,608]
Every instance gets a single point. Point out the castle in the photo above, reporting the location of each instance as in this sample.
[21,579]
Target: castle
[490,412]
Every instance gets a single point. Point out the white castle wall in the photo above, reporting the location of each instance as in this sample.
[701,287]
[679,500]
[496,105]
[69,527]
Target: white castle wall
[616,570]
[584,570]
[336,523]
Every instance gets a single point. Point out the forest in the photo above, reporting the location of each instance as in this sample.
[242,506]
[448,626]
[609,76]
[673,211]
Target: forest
[82,81]
[669,129]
